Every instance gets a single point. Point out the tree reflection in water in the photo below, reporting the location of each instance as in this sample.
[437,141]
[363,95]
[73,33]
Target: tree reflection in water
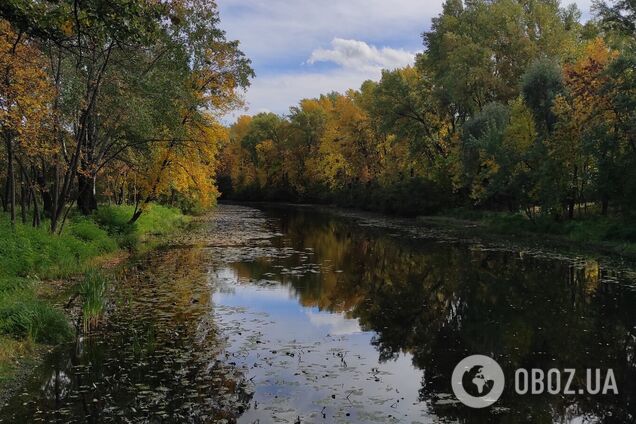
[155,360]
[444,301]
[165,354]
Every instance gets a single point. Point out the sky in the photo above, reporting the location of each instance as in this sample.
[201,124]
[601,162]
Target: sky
[303,48]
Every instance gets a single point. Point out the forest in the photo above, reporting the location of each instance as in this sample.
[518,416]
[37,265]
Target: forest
[512,106]
[112,101]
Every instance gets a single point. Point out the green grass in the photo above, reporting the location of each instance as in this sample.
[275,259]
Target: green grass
[93,292]
[611,234]
[608,234]
[31,256]
[596,229]
[156,220]
[27,251]
[24,316]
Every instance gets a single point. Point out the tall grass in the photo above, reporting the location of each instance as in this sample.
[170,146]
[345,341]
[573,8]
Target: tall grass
[24,316]
[30,256]
[93,292]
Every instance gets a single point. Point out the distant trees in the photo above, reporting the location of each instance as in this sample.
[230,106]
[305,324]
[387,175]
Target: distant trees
[513,105]
[112,100]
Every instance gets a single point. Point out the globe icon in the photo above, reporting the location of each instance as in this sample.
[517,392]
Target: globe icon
[477,381]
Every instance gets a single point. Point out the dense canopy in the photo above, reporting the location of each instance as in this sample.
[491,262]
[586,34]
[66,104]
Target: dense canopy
[113,100]
[513,105]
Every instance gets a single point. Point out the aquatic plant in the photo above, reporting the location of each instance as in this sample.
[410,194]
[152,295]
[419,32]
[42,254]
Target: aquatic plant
[93,291]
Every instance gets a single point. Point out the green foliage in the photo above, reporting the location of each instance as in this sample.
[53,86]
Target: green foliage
[540,85]
[479,50]
[618,16]
[264,126]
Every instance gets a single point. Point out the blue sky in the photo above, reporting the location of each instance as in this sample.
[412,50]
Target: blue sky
[302,48]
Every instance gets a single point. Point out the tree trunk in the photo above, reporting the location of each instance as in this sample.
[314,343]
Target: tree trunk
[120,197]
[47,200]
[136,216]
[10,176]
[56,197]
[86,200]
[23,203]
[5,196]
[604,205]
[36,209]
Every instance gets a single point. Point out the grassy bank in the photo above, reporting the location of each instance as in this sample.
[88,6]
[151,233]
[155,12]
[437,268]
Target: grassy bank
[32,258]
[610,234]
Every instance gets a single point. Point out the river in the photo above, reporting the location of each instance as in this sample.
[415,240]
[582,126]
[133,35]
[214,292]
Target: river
[304,315]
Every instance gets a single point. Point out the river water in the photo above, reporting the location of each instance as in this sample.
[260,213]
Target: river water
[298,315]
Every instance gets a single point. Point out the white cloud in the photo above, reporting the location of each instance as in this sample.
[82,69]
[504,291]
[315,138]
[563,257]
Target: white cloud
[337,323]
[283,37]
[357,60]
[280,29]
[356,54]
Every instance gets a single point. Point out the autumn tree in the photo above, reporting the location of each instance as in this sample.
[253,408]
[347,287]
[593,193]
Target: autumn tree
[25,118]
[131,83]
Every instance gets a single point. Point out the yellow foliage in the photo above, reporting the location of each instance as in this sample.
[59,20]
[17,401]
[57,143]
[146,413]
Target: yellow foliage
[187,167]
[26,92]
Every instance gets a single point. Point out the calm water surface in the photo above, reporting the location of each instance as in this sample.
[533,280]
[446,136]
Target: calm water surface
[295,315]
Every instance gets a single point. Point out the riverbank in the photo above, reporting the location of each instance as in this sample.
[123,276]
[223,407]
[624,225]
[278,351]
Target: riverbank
[48,281]
[608,236]
[594,234]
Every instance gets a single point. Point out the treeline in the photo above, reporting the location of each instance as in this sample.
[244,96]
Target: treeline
[112,101]
[514,105]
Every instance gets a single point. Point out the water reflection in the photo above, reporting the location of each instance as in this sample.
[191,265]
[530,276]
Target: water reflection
[435,303]
[299,316]
[155,361]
